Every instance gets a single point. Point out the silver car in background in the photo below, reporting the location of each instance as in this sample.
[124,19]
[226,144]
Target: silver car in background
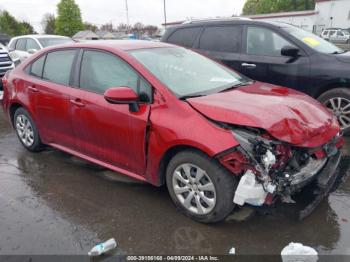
[336,35]
[21,47]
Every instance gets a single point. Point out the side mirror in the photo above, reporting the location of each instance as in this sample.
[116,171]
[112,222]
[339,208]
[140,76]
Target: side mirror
[32,51]
[290,51]
[122,95]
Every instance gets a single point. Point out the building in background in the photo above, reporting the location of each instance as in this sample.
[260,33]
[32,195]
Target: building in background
[327,14]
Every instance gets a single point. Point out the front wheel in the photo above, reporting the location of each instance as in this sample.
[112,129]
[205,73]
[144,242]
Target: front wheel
[200,187]
[338,101]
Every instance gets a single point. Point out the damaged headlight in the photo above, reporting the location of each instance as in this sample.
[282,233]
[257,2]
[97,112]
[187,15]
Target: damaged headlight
[258,148]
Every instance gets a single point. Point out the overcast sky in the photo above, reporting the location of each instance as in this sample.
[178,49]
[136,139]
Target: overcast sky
[145,11]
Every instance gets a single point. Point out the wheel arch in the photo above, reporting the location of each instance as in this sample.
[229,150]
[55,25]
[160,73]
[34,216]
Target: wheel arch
[330,86]
[12,110]
[168,155]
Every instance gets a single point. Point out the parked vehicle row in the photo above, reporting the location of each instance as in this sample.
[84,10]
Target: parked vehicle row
[167,115]
[275,53]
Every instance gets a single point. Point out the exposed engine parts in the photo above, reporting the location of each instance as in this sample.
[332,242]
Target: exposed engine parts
[270,168]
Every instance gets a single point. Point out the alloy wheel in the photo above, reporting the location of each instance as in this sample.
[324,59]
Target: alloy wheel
[194,189]
[25,130]
[341,109]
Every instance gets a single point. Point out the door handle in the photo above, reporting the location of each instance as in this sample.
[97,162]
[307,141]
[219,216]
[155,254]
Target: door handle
[77,102]
[33,89]
[250,66]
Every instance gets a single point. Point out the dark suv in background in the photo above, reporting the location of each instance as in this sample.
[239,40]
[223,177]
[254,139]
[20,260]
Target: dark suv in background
[276,53]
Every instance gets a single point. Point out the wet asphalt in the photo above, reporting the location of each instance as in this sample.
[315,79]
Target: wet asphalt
[53,203]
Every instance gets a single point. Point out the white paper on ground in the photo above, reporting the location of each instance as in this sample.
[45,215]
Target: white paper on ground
[296,252]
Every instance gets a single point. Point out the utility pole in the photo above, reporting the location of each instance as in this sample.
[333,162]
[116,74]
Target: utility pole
[164,14]
[127,15]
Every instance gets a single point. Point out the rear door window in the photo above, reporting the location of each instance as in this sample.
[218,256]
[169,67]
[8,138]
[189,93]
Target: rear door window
[221,39]
[184,36]
[332,33]
[58,66]
[21,44]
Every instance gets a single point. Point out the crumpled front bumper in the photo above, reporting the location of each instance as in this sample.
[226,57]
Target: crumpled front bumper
[325,181]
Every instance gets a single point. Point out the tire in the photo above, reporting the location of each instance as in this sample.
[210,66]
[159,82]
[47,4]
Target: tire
[26,130]
[220,191]
[342,112]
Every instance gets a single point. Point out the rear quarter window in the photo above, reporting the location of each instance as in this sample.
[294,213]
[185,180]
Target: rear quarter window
[184,36]
[36,68]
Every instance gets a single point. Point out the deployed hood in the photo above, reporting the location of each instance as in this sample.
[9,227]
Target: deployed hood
[286,114]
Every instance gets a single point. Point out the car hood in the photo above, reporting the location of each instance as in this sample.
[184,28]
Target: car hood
[286,114]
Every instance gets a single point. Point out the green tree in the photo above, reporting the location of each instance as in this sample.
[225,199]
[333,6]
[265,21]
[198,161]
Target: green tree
[9,24]
[253,7]
[68,21]
[48,23]
[26,28]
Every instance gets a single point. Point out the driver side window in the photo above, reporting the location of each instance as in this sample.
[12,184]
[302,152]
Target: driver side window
[264,42]
[101,70]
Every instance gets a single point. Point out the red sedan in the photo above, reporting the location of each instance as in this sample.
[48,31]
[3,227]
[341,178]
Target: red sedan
[167,115]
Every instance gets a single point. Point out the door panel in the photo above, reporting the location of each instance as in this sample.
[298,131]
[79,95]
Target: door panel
[262,60]
[52,109]
[110,132]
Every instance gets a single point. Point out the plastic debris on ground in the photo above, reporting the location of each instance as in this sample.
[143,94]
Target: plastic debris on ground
[232,251]
[296,252]
[102,248]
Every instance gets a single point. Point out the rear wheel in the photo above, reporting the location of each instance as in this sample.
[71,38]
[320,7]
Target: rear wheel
[26,130]
[338,101]
[200,187]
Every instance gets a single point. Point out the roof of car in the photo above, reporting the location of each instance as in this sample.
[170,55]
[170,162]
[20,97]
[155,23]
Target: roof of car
[41,36]
[124,45]
[229,21]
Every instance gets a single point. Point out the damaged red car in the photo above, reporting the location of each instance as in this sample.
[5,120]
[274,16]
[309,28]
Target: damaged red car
[167,115]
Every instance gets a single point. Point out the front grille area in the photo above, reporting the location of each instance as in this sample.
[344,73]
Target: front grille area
[5,63]
[311,169]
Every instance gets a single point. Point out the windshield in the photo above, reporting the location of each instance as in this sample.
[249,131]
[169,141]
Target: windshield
[314,41]
[45,42]
[345,32]
[187,73]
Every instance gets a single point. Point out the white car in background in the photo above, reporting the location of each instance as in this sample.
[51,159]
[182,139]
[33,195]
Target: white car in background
[22,47]
[336,35]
